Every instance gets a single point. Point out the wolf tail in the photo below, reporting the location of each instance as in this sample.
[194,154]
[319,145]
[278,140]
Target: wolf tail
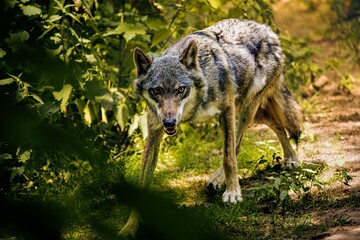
[294,117]
[286,112]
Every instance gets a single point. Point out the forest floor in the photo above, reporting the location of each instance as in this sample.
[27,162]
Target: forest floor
[332,115]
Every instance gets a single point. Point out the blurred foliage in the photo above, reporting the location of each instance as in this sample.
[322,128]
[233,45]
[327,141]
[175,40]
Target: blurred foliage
[68,65]
[68,118]
[345,28]
[300,70]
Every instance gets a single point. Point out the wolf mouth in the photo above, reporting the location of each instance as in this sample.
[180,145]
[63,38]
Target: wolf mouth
[170,131]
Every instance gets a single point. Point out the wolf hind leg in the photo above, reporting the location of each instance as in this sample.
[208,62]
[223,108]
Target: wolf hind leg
[290,157]
[282,117]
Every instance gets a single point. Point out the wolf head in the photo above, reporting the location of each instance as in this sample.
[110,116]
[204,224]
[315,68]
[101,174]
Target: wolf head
[166,83]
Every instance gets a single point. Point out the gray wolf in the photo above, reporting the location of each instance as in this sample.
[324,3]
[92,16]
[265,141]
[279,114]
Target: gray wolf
[233,70]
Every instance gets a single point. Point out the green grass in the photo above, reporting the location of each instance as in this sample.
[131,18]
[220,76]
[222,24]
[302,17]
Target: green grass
[187,161]
[277,203]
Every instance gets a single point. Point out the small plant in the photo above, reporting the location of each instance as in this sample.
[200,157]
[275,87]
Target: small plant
[299,182]
[343,176]
[284,186]
[346,80]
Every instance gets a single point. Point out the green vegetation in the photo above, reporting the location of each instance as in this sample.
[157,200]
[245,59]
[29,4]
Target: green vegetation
[71,131]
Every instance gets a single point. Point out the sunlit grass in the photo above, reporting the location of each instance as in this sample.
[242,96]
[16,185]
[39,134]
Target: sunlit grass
[187,160]
[185,165]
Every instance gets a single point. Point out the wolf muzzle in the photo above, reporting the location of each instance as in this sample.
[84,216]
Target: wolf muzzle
[169,126]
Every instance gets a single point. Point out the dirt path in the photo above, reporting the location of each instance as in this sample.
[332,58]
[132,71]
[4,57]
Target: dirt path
[332,128]
[337,131]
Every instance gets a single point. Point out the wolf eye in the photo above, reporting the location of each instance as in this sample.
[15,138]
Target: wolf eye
[156,91]
[181,89]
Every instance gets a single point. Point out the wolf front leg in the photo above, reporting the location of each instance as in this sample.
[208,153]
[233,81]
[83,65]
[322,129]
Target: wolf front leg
[227,121]
[148,164]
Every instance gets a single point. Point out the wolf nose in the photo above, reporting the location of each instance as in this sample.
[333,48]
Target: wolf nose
[169,123]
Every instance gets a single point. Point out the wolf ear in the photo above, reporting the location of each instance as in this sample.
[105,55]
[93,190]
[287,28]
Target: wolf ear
[189,55]
[142,62]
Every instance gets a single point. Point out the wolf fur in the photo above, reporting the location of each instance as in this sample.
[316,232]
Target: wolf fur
[233,69]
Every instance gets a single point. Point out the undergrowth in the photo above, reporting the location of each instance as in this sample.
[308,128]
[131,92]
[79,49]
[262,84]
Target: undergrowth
[278,202]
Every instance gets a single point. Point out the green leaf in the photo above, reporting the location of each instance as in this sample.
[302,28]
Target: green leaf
[24,156]
[155,24]
[260,143]
[215,3]
[191,18]
[262,161]
[283,194]
[48,109]
[87,115]
[6,81]
[86,5]
[36,97]
[129,30]
[314,68]
[122,115]
[277,183]
[17,78]
[2,53]
[53,18]
[104,117]
[160,36]
[295,187]
[17,39]
[95,89]
[8,4]
[5,156]
[46,31]
[80,103]
[63,96]
[17,171]
[66,175]
[106,100]
[31,10]
[309,170]
[19,36]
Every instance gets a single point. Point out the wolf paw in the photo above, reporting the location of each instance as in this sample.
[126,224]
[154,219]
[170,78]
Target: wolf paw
[217,180]
[291,162]
[130,228]
[127,232]
[232,197]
